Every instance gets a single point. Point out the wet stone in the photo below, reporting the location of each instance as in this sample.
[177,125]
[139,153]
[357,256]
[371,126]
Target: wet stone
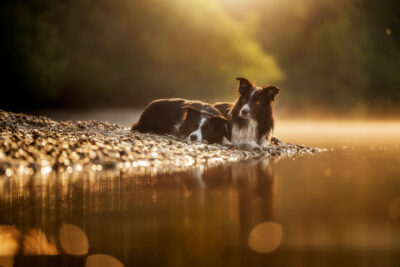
[41,145]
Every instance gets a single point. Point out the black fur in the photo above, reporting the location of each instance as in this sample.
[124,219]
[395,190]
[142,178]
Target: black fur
[160,116]
[223,107]
[260,106]
[164,115]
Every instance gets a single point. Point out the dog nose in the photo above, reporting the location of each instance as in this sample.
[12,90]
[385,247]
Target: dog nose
[193,137]
[245,111]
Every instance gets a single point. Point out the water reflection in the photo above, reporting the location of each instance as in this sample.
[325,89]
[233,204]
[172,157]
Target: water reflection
[73,240]
[9,240]
[328,209]
[394,209]
[37,243]
[265,237]
[101,260]
[6,261]
[202,214]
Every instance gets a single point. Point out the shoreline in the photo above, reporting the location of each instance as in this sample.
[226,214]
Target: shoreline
[32,145]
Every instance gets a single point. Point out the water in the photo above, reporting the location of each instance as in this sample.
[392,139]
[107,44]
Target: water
[336,208]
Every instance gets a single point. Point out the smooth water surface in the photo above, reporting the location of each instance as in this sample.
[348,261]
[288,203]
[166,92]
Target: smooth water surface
[336,208]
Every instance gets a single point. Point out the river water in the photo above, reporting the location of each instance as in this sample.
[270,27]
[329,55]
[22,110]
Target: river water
[340,207]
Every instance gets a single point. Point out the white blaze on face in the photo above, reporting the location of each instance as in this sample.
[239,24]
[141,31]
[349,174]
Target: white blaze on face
[246,107]
[251,130]
[197,133]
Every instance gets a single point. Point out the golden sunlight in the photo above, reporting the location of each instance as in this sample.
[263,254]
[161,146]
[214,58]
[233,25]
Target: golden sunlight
[265,237]
[317,132]
[73,240]
[102,260]
[394,209]
[37,243]
[9,236]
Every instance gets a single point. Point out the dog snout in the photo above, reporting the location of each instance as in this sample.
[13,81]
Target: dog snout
[245,111]
[193,137]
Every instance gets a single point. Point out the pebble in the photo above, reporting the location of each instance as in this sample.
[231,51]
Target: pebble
[35,143]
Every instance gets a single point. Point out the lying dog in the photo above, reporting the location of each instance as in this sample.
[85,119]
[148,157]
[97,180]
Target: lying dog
[194,120]
[250,115]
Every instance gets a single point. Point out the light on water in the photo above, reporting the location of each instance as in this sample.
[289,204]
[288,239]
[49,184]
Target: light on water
[213,212]
[265,237]
[73,240]
[339,133]
[101,260]
[46,170]
[36,243]
[9,236]
[394,209]
[327,172]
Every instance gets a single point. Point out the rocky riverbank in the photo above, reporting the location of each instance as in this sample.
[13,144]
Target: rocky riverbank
[38,145]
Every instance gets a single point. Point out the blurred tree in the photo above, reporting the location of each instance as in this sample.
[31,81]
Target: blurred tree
[33,60]
[328,71]
[384,58]
[335,56]
[338,55]
[120,52]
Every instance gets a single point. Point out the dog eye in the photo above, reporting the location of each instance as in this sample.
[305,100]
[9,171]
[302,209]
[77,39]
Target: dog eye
[258,102]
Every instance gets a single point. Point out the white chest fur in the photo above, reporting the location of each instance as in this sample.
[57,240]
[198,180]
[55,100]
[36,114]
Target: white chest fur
[249,132]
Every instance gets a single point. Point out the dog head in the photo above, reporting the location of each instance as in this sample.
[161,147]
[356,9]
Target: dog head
[253,101]
[198,126]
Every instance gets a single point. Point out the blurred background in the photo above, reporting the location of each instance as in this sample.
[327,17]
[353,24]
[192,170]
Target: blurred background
[332,58]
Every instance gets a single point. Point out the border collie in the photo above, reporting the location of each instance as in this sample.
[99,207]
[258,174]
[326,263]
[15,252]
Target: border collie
[193,120]
[251,114]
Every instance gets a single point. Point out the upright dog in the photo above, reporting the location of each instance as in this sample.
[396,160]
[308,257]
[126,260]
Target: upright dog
[194,120]
[251,114]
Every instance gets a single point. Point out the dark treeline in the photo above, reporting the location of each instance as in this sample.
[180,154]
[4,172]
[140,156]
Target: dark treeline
[339,56]
[83,53]
[336,56]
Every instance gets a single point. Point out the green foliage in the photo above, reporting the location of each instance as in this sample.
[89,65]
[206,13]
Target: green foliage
[336,56]
[33,64]
[40,49]
[122,52]
[384,56]
[332,64]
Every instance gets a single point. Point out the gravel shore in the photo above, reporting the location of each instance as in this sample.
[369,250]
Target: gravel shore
[38,145]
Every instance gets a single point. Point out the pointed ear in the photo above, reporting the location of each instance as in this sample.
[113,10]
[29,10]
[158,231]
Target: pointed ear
[191,111]
[271,92]
[244,85]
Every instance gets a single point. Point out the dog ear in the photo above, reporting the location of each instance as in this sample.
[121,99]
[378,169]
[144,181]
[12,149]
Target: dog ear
[219,119]
[271,92]
[244,85]
[221,123]
[191,111]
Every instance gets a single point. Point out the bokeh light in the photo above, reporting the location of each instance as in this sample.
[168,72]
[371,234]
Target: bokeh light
[265,237]
[9,236]
[73,240]
[102,260]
